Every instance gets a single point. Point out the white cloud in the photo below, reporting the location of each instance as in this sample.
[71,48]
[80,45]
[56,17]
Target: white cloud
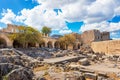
[38,17]
[8,16]
[0,28]
[100,11]
[94,13]
[65,31]
[89,11]
[117,11]
[51,4]
[115,34]
[103,26]
[74,12]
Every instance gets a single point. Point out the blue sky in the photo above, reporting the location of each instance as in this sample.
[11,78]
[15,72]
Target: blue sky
[63,16]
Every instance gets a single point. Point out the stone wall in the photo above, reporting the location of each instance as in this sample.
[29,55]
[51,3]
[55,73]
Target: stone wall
[94,35]
[87,36]
[108,47]
[10,28]
[8,42]
[105,36]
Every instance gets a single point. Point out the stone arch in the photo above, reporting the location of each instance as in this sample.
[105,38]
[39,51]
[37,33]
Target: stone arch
[57,44]
[49,44]
[42,44]
[31,45]
[2,43]
[75,46]
[62,46]
[6,40]
[16,44]
[79,45]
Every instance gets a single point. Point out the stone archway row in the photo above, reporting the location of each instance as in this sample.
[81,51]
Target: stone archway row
[48,43]
[58,45]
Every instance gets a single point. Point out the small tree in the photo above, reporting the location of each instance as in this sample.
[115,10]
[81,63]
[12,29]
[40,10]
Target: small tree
[66,40]
[26,35]
[46,30]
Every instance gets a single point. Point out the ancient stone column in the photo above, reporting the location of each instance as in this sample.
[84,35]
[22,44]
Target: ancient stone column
[37,45]
[43,34]
[47,35]
[53,44]
[46,44]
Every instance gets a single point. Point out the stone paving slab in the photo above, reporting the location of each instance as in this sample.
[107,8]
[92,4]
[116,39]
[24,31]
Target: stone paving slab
[62,59]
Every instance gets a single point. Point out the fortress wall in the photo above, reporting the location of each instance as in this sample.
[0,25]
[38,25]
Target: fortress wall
[88,36]
[108,47]
[94,35]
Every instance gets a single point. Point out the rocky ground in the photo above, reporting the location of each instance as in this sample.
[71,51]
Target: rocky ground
[55,64]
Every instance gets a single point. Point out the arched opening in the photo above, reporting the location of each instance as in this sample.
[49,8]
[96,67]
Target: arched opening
[3,43]
[17,44]
[42,44]
[49,44]
[31,45]
[62,46]
[79,45]
[57,45]
[75,46]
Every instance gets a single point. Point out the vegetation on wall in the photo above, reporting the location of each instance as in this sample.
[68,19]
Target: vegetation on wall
[29,36]
[67,40]
[26,35]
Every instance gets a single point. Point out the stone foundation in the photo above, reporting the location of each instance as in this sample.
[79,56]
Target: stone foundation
[108,47]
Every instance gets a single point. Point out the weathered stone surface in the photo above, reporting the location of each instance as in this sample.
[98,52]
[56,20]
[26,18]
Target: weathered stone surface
[108,47]
[86,71]
[84,61]
[5,68]
[101,78]
[16,57]
[40,78]
[14,72]
[15,65]
[90,76]
[118,75]
[40,59]
[20,74]
[68,62]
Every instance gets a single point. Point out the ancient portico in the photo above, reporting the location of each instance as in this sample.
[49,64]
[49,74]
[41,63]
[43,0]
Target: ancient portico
[6,42]
[48,42]
[52,42]
[96,39]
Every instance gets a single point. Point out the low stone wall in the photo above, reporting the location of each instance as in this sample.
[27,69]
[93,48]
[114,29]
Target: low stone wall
[108,47]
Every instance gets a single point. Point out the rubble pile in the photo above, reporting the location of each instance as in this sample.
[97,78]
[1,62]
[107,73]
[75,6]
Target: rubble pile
[15,65]
[10,71]
[55,64]
[16,57]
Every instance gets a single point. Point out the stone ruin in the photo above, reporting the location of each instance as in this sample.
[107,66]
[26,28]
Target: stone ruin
[47,64]
[15,65]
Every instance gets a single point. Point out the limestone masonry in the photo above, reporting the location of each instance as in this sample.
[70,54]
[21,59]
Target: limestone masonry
[94,35]
[99,41]
[109,47]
